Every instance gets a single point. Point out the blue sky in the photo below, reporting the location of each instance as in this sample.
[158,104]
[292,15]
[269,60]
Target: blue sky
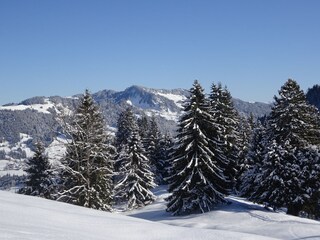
[61,47]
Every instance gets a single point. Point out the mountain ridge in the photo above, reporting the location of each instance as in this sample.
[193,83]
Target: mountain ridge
[36,119]
[165,104]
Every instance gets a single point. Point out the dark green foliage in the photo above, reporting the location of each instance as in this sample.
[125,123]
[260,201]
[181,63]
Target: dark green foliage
[125,127]
[245,130]
[280,180]
[293,118]
[155,151]
[126,124]
[313,96]
[226,121]
[293,127]
[38,182]
[135,176]
[164,156]
[88,165]
[253,161]
[143,124]
[155,146]
[198,182]
[310,158]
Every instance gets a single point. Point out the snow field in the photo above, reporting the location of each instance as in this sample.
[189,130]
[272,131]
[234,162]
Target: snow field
[31,218]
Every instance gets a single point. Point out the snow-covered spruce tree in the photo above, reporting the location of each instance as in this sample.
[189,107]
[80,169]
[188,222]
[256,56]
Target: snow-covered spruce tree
[253,163]
[135,179]
[293,126]
[310,158]
[143,124]
[280,182]
[198,182]
[166,144]
[125,126]
[226,120]
[87,167]
[292,118]
[245,130]
[38,171]
[154,151]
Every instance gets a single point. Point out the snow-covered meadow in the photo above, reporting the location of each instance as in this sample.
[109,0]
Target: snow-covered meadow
[32,218]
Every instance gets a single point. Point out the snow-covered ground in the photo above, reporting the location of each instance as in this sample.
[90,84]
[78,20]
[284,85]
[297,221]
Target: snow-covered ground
[10,165]
[26,218]
[43,108]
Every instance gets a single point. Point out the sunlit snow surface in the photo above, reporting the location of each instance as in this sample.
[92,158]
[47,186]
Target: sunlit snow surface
[37,107]
[32,218]
[177,99]
[42,108]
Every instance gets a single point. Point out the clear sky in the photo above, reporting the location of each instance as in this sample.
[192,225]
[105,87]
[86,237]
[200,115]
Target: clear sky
[61,47]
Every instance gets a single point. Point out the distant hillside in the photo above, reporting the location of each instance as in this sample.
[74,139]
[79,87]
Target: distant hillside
[36,118]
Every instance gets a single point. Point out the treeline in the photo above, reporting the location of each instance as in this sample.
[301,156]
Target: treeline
[216,152]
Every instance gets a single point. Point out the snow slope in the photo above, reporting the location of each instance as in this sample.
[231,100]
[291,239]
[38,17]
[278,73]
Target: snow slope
[238,217]
[32,218]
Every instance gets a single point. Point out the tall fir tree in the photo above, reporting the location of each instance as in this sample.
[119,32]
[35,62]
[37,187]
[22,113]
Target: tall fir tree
[293,126]
[39,176]
[144,127]
[198,162]
[135,180]
[166,148]
[226,118]
[245,130]
[125,125]
[87,167]
[154,151]
[310,158]
[293,118]
[253,162]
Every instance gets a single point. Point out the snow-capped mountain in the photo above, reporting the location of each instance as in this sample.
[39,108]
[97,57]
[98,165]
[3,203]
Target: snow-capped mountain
[36,118]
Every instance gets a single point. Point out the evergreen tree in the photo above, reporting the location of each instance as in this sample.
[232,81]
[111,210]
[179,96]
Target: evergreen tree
[135,176]
[245,130]
[125,125]
[87,167]
[292,118]
[313,96]
[293,126]
[226,118]
[144,127]
[154,151]
[253,162]
[310,158]
[198,162]
[38,174]
[280,180]
[166,144]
